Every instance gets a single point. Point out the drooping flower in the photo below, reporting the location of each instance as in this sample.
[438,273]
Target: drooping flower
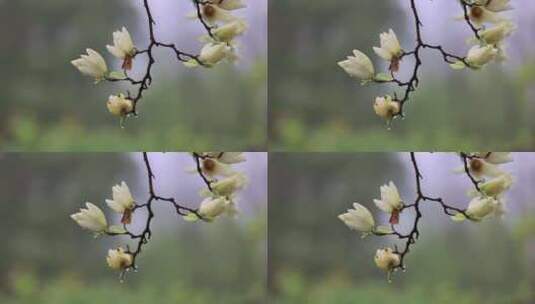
[213,53]
[92,64]
[496,158]
[118,259]
[229,31]
[480,207]
[478,56]
[229,185]
[497,185]
[386,259]
[359,218]
[386,108]
[390,201]
[231,157]
[481,14]
[358,66]
[211,208]
[123,47]
[495,5]
[92,218]
[229,4]
[214,13]
[494,35]
[120,105]
[213,167]
[479,167]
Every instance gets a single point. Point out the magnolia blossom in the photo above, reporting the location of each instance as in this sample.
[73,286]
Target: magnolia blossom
[480,207]
[119,105]
[479,167]
[231,30]
[214,13]
[495,5]
[118,259]
[227,186]
[213,207]
[390,48]
[92,218]
[481,14]
[494,35]
[231,157]
[497,185]
[390,201]
[92,64]
[213,167]
[359,218]
[385,107]
[478,56]
[358,66]
[496,158]
[122,198]
[229,4]
[213,53]
[123,47]
[386,259]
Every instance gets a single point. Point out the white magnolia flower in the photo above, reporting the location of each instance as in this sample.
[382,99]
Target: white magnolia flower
[123,46]
[213,14]
[92,218]
[386,259]
[496,158]
[232,157]
[213,207]
[390,48]
[92,64]
[494,35]
[358,66]
[122,199]
[213,167]
[480,207]
[481,14]
[390,200]
[231,30]
[229,185]
[497,185]
[213,53]
[118,259]
[119,105]
[385,107]
[479,168]
[478,56]
[229,4]
[495,5]
[359,218]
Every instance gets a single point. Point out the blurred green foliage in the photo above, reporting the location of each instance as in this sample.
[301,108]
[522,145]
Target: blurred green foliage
[46,258]
[315,106]
[314,258]
[46,105]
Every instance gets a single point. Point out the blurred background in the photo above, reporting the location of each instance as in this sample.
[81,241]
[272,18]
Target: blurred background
[315,105]
[47,105]
[46,258]
[314,258]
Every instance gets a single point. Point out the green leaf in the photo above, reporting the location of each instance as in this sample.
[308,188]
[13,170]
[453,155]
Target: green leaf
[116,229]
[192,63]
[117,75]
[459,65]
[383,77]
[191,217]
[383,230]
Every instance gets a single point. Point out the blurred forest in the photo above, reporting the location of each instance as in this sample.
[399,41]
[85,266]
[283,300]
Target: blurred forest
[314,105]
[46,105]
[46,258]
[314,258]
